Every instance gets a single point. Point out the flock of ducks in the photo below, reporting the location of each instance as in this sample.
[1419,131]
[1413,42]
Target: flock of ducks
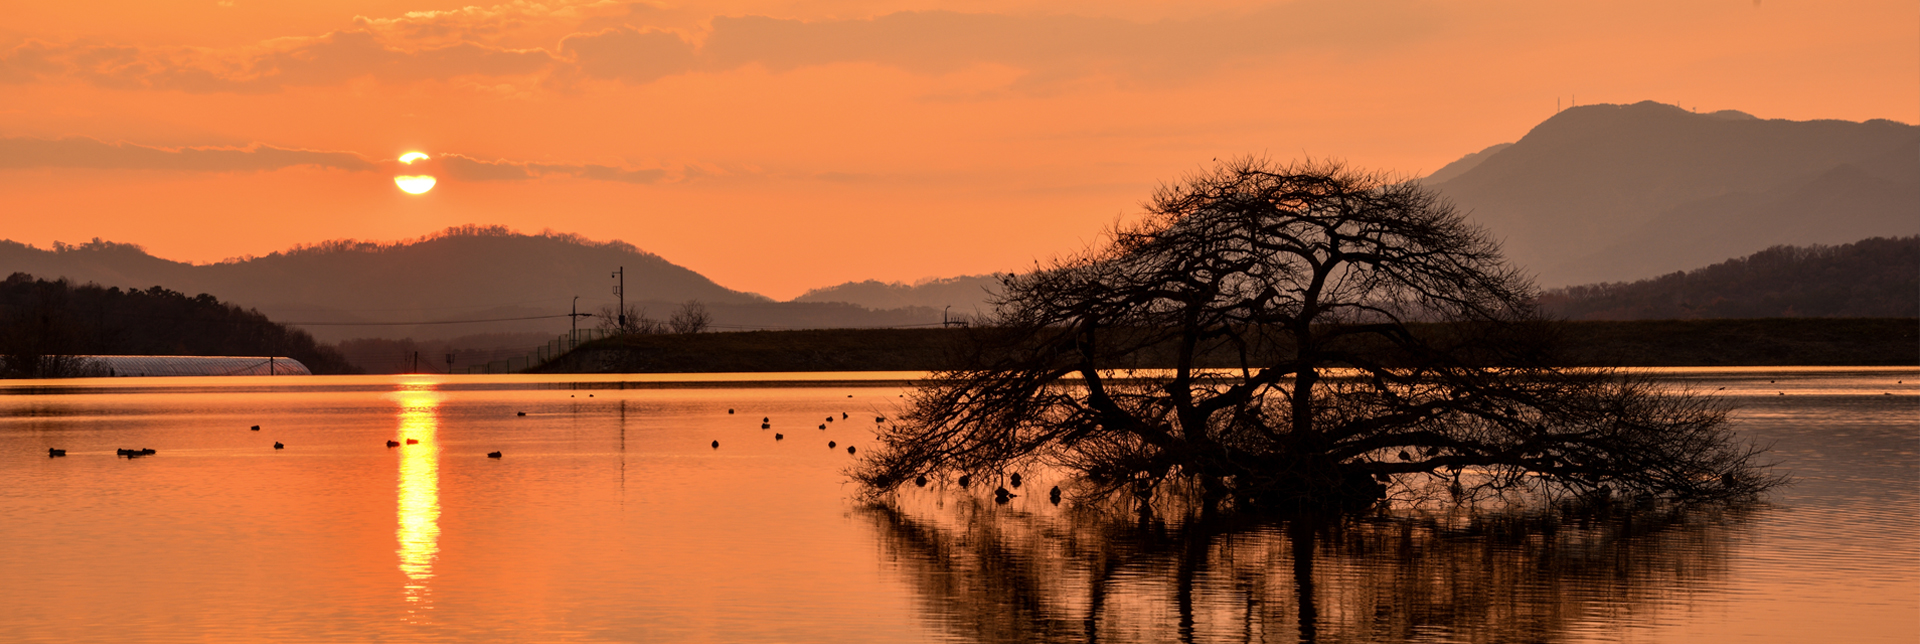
[1000,494]
[55,452]
[766,422]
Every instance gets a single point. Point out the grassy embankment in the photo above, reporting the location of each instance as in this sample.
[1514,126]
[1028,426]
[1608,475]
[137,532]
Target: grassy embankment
[1652,343]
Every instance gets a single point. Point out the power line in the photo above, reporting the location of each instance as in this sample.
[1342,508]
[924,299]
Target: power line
[297,308]
[776,327]
[536,317]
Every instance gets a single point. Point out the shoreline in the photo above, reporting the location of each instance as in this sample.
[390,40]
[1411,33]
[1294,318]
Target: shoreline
[1767,342]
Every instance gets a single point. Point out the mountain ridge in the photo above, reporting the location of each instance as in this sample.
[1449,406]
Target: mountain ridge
[345,289]
[1877,277]
[968,293]
[1594,194]
[1595,180]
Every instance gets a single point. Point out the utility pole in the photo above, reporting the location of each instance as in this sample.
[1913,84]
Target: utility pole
[621,290]
[574,317]
[449,364]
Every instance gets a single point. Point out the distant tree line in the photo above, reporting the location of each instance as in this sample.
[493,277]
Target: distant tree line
[691,317]
[44,323]
[1876,277]
[408,355]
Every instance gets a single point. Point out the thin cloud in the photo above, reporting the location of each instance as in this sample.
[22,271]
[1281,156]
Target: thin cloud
[81,152]
[442,45]
[466,168]
[326,60]
[520,21]
[631,55]
[1052,49]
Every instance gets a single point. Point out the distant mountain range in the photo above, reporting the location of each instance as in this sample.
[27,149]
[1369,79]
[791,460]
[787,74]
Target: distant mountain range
[1605,193]
[1878,277]
[462,273]
[1875,277]
[967,294]
[1595,194]
[1614,193]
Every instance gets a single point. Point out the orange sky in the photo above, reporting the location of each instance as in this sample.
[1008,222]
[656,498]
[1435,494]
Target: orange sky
[781,146]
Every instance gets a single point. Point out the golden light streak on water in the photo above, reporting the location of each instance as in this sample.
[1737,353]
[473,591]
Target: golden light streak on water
[418,510]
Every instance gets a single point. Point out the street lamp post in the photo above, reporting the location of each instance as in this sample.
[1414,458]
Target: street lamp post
[621,290]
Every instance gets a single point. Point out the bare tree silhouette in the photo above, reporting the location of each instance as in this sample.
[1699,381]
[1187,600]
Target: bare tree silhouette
[1289,301]
[634,322]
[692,317]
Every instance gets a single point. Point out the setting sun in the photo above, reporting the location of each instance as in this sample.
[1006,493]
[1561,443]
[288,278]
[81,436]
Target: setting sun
[414,184]
[411,157]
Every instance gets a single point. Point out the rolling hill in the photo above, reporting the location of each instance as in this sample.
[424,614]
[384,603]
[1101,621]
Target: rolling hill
[1871,278]
[463,273]
[1604,193]
[966,294]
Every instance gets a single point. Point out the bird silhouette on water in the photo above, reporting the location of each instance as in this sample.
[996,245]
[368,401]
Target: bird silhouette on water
[52,452]
[493,455]
[277,445]
[393,443]
[716,444]
[256,428]
[920,481]
[1014,480]
[965,479]
[830,445]
[1001,495]
[823,425]
[729,411]
[849,449]
[779,436]
[413,441]
[1054,495]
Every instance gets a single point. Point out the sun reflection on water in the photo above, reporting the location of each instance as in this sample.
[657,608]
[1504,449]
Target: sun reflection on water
[419,490]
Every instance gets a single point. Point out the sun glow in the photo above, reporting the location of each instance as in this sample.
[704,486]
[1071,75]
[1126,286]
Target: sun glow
[414,184]
[411,157]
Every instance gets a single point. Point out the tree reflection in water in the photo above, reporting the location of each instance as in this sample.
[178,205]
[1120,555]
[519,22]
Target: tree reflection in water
[989,573]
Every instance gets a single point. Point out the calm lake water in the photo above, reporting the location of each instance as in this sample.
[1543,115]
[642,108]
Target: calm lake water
[610,518]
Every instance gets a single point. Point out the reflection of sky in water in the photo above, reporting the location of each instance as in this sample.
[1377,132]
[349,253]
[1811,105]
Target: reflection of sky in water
[736,544]
[419,489]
